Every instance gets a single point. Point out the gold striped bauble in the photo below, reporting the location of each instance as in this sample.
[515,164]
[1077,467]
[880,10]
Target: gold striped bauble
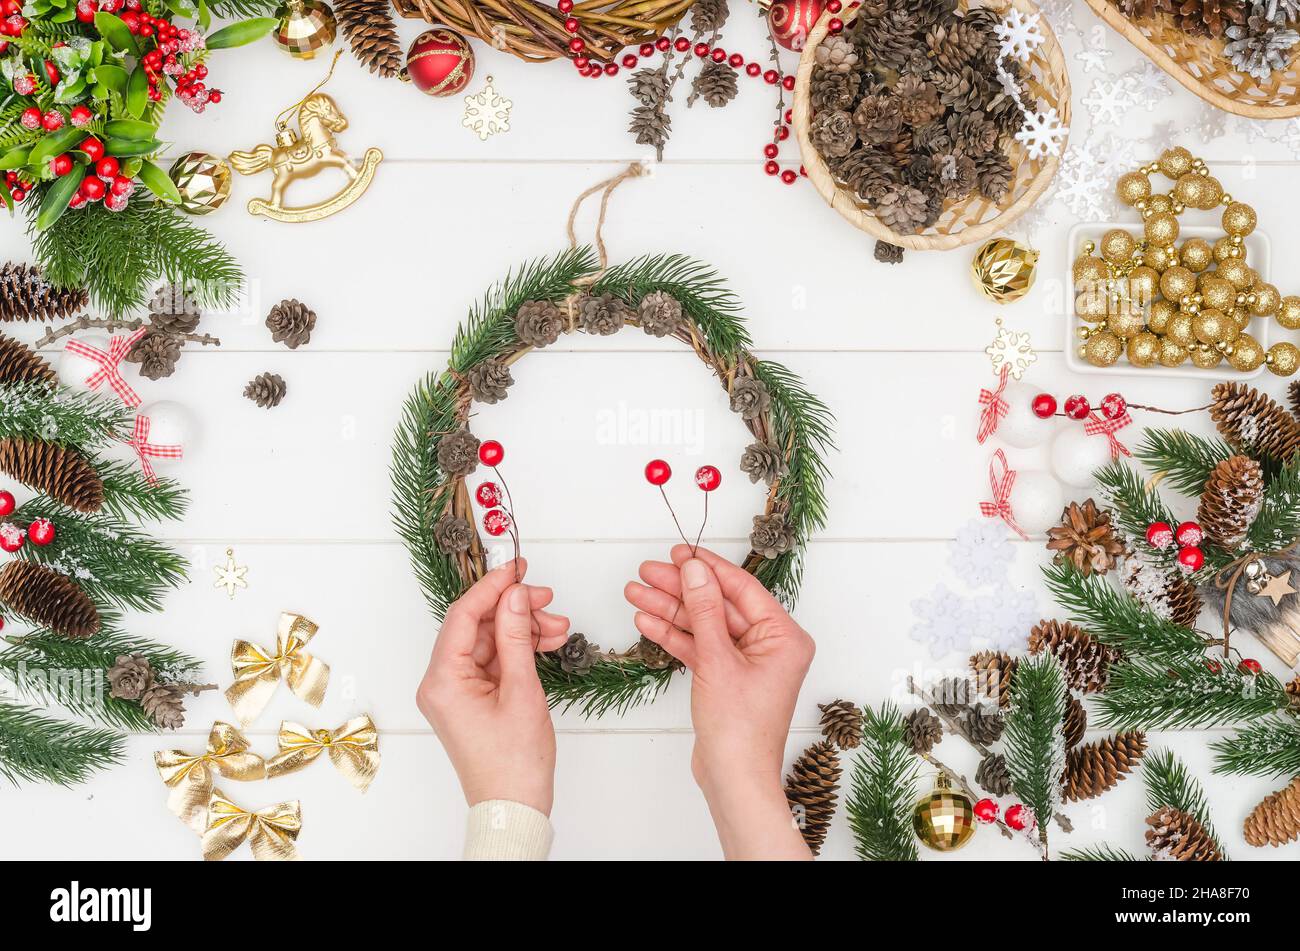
[945,819]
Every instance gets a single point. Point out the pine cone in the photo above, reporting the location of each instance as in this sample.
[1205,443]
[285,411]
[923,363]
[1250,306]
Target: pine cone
[902,209]
[25,295]
[1177,836]
[963,90]
[130,676]
[918,101]
[291,323]
[810,790]
[648,86]
[994,175]
[878,118]
[1208,17]
[1076,721]
[577,656]
[48,598]
[1084,661]
[932,139]
[453,534]
[173,311]
[993,671]
[1092,769]
[660,314]
[266,390]
[841,723]
[654,657]
[831,90]
[954,43]
[371,34]
[604,314]
[837,54]
[868,171]
[928,12]
[984,724]
[993,776]
[538,323]
[164,704]
[887,253]
[1230,501]
[1262,46]
[953,695]
[1184,601]
[709,16]
[833,134]
[157,354]
[921,730]
[972,134]
[458,453]
[1086,539]
[1293,398]
[651,126]
[1276,820]
[1292,689]
[20,364]
[957,176]
[716,84]
[749,397]
[770,536]
[888,40]
[60,472]
[763,462]
[489,381]
[1252,423]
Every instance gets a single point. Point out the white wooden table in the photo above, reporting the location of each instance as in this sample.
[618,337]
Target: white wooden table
[302,492]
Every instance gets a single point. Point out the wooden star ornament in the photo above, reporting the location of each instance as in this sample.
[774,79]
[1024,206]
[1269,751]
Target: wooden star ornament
[1277,587]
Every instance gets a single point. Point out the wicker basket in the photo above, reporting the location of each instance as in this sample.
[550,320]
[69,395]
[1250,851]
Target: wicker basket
[535,31]
[1199,64]
[975,218]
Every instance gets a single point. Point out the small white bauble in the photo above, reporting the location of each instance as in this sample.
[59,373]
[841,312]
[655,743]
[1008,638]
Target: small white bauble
[1076,455]
[1020,427]
[170,424]
[1037,500]
[74,369]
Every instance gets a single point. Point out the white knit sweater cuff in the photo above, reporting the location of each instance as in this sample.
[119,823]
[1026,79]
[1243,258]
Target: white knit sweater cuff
[501,830]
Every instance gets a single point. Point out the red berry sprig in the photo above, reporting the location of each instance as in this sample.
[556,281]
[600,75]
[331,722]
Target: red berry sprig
[1251,666]
[1077,407]
[1020,817]
[500,517]
[1188,537]
[986,811]
[41,532]
[7,503]
[12,537]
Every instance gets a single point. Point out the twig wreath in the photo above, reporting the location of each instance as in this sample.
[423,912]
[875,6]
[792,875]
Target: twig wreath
[576,291]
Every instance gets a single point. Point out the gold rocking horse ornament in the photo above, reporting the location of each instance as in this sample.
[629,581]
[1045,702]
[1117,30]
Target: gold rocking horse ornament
[295,156]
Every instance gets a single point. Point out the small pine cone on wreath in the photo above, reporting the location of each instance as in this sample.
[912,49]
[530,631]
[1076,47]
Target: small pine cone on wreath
[19,364]
[763,462]
[1085,539]
[603,314]
[992,775]
[48,598]
[130,676]
[577,655]
[60,472]
[1276,820]
[660,314]
[993,671]
[1092,769]
[1252,423]
[1230,501]
[1085,662]
[841,723]
[291,323]
[489,381]
[1178,836]
[26,295]
[654,657]
[371,34]
[811,789]
[538,323]
[921,730]
[266,390]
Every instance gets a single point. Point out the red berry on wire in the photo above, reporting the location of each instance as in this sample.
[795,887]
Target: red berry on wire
[41,532]
[1076,407]
[491,453]
[657,472]
[1044,405]
[7,503]
[708,478]
[1189,535]
[488,495]
[1213,666]
[1113,406]
[496,522]
[1190,559]
[1250,665]
[1160,535]
[986,810]
[11,537]
[1020,817]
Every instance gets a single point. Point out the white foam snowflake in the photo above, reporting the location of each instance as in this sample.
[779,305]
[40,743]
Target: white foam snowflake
[1094,58]
[1107,102]
[1148,85]
[1042,134]
[981,552]
[949,622]
[1019,35]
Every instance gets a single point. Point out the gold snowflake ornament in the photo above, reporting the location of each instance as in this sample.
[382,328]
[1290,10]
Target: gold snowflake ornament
[1012,349]
[230,575]
[487,113]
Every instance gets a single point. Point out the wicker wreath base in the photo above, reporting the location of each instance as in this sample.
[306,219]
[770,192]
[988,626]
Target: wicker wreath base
[791,429]
[535,31]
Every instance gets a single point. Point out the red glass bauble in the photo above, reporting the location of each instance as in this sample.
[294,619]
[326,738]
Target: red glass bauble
[1189,535]
[41,532]
[792,20]
[657,472]
[1076,407]
[1113,406]
[1190,559]
[7,502]
[1160,535]
[439,62]
[488,495]
[491,453]
[1020,817]
[708,478]
[1250,666]
[986,810]
[1044,405]
[496,522]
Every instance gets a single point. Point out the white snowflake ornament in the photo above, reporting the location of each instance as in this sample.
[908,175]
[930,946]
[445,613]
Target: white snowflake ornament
[1042,134]
[1013,349]
[1093,58]
[487,113]
[1148,85]
[980,553]
[1019,35]
[1107,102]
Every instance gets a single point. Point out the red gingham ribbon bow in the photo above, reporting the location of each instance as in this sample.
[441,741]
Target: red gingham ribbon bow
[146,450]
[118,347]
[1001,485]
[1097,426]
[995,407]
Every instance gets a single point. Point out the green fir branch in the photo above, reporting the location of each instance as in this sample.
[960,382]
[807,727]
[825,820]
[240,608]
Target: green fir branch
[1168,783]
[242,9]
[1186,459]
[1277,523]
[1101,852]
[1269,747]
[37,748]
[80,420]
[1135,506]
[611,685]
[128,494]
[883,789]
[1185,693]
[1035,747]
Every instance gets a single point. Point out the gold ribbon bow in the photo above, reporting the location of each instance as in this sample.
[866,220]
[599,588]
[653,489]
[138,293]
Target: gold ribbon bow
[257,673]
[191,778]
[353,749]
[270,832]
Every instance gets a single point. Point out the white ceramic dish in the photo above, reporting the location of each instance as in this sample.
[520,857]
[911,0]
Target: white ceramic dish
[1257,255]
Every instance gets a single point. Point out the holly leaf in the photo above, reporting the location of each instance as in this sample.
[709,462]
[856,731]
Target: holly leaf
[158,182]
[137,95]
[114,31]
[121,148]
[58,195]
[53,144]
[70,87]
[130,128]
[112,77]
[14,158]
[4,194]
[238,34]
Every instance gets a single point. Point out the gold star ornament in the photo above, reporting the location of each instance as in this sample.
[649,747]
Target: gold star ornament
[230,575]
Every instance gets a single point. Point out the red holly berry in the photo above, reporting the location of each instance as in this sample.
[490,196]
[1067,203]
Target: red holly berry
[30,118]
[52,121]
[214,97]
[131,19]
[1189,535]
[1020,817]
[77,200]
[11,537]
[496,522]
[80,116]
[110,6]
[986,810]
[1113,406]
[86,10]
[488,495]
[18,194]
[61,164]
[122,186]
[52,73]
[2,623]
[1076,407]
[7,502]
[1044,405]
[10,8]
[708,478]
[1213,666]
[1250,665]
[491,453]
[657,472]
[92,148]
[41,532]
[1190,559]
[93,188]
[107,168]
[1160,535]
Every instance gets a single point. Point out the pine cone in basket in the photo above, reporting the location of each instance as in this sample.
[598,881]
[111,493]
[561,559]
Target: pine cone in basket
[831,89]
[993,776]
[157,354]
[903,209]
[47,598]
[1144,9]
[963,90]
[1177,836]
[173,310]
[984,724]
[1085,539]
[20,364]
[1262,46]
[1276,820]
[953,43]
[841,723]
[1092,769]
[716,84]
[972,134]
[888,40]
[994,175]
[164,704]
[879,118]
[993,671]
[291,323]
[1253,423]
[867,171]
[1208,17]
[833,134]
[130,676]
[957,176]
[489,381]
[837,53]
[921,730]
[371,34]
[266,390]
[1230,501]
[918,100]
[1076,721]
[928,12]
[810,790]
[26,295]
[1084,661]
[60,472]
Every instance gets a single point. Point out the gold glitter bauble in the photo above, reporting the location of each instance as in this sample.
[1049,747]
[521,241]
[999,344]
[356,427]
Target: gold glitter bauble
[1117,246]
[1241,316]
[1158,203]
[1175,162]
[1160,258]
[944,820]
[1283,358]
[1191,189]
[1216,292]
[1226,250]
[1177,282]
[1133,187]
[1143,350]
[1237,273]
[1161,312]
[1179,329]
[1004,270]
[1196,254]
[1213,193]
[1089,268]
[1172,354]
[1126,320]
[1162,229]
[1214,326]
[1091,303]
[203,180]
[1288,314]
[1267,300]
[1246,354]
[1207,358]
[1239,219]
[1143,282]
[1102,349]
